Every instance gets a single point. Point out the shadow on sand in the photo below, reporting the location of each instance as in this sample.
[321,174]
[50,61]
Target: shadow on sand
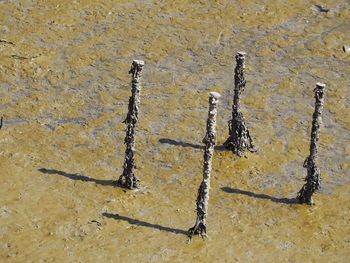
[189,145]
[78,177]
[261,196]
[145,224]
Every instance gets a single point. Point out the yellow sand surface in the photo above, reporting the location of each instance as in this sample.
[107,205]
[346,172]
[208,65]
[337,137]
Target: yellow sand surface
[64,90]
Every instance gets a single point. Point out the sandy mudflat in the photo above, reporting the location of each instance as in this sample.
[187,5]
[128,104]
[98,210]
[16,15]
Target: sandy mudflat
[64,90]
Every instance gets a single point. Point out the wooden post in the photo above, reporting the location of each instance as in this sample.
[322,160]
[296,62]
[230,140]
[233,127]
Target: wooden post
[128,178]
[313,178]
[239,138]
[203,192]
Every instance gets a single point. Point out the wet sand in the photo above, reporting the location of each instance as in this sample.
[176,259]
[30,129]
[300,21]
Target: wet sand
[64,94]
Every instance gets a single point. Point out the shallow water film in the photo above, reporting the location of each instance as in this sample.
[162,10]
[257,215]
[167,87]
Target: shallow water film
[64,89]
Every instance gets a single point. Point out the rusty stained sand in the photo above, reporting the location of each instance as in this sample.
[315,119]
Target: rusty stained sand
[64,94]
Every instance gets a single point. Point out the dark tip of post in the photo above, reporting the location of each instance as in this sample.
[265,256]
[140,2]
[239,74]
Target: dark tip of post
[240,58]
[319,90]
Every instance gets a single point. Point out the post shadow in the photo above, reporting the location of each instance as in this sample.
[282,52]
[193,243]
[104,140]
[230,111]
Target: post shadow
[78,177]
[189,145]
[132,221]
[288,201]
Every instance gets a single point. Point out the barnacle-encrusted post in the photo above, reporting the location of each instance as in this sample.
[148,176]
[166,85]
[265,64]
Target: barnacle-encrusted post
[128,178]
[239,138]
[203,192]
[313,178]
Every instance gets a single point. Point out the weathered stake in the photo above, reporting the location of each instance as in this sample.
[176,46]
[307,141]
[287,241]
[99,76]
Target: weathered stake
[203,192]
[239,138]
[128,178]
[313,178]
